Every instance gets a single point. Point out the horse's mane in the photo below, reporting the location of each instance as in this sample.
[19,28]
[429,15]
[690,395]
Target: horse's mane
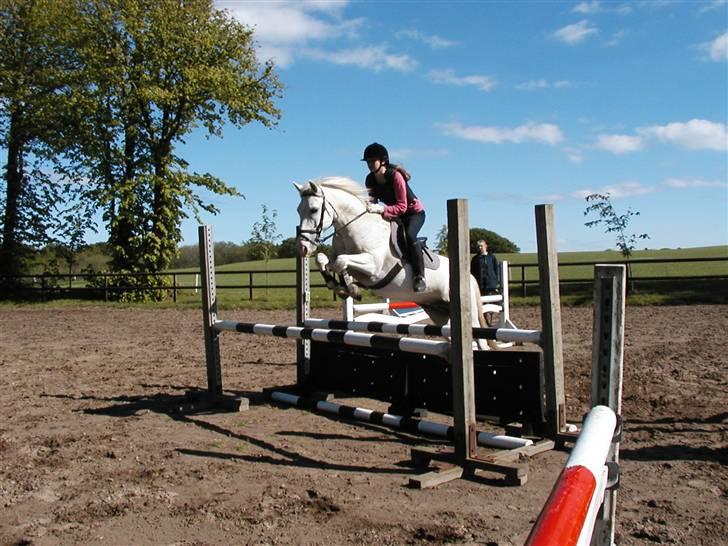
[344,184]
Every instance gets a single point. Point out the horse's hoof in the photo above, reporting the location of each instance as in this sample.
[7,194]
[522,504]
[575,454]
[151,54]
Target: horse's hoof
[354,292]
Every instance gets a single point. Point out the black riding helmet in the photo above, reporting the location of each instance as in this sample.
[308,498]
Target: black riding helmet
[376,151]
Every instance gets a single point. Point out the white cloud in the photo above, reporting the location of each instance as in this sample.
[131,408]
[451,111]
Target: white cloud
[533,85]
[615,39]
[656,4]
[619,144]
[402,154]
[718,48]
[448,77]
[696,134]
[682,183]
[587,7]
[576,33]
[289,22]
[574,155]
[283,56]
[617,191]
[284,28]
[434,41]
[545,133]
[550,198]
[715,4]
[375,58]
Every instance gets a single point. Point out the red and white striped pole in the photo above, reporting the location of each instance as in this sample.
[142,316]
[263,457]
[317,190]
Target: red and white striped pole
[567,518]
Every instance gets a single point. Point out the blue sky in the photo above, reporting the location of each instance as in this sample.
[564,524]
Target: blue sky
[507,104]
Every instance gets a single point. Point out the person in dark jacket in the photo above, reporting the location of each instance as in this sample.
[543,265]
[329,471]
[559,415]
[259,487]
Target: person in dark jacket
[388,183]
[484,267]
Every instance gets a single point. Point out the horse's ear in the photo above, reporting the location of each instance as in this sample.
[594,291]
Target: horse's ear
[299,187]
[314,187]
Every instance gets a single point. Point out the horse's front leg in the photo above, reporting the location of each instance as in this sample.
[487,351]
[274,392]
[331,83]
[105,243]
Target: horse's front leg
[322,262]
[361,265]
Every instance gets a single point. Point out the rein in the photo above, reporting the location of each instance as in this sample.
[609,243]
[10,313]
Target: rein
[344,226]
[319,229]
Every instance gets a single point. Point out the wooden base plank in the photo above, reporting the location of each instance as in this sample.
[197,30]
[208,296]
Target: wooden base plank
[507,462]
[436,477]
[199,401]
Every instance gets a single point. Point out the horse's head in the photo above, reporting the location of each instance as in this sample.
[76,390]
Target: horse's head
[314,216]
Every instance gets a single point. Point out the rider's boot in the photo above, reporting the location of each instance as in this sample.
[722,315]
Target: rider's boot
[418,267]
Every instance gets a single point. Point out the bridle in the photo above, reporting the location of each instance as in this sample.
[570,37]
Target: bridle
[317,240]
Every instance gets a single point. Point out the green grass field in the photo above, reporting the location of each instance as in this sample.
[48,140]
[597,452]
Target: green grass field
[661,288]
[658,291]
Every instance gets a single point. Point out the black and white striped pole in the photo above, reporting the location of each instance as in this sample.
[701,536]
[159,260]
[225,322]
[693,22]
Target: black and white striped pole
[498,334]
[342,337]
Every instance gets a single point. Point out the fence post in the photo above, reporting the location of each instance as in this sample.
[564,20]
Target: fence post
[523,280]
[553,353]
[174,287]
[250,285]
[209,311]
[610,283]
[214,393]
[461,340]
[303,313]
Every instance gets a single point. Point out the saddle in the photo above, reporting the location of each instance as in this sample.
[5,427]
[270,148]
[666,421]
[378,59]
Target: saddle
[398,244]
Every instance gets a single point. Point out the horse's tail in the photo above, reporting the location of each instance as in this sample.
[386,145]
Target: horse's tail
[478,306]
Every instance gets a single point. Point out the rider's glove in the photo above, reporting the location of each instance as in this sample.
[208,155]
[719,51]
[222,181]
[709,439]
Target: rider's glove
[375,208]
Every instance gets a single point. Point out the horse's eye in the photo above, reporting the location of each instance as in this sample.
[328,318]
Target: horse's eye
[314,210]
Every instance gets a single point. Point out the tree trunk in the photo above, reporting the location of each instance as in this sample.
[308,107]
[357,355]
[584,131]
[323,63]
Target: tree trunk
[10,259]
[165,210]
[122,208]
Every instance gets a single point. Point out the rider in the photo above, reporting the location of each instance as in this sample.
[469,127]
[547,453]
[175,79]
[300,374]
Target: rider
[388,183]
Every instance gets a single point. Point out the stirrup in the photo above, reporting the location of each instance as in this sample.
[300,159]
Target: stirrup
[419,284]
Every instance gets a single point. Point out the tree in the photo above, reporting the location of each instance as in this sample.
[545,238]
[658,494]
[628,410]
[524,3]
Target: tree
[74,243]
[264,236]
[601,205]
[288,248]
[155,71]
[37,68]
[441,240]
[497,244]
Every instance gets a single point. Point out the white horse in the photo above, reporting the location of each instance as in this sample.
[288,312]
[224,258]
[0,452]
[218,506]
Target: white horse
[361,250]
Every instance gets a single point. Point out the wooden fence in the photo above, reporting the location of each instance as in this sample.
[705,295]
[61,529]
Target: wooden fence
[524,280]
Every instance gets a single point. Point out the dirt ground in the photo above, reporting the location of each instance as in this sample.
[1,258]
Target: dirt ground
[90,452]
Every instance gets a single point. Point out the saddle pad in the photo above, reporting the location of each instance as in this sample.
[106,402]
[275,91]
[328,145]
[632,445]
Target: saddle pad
[397,241]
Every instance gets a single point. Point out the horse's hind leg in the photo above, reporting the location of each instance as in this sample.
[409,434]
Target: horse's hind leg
[478,317]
